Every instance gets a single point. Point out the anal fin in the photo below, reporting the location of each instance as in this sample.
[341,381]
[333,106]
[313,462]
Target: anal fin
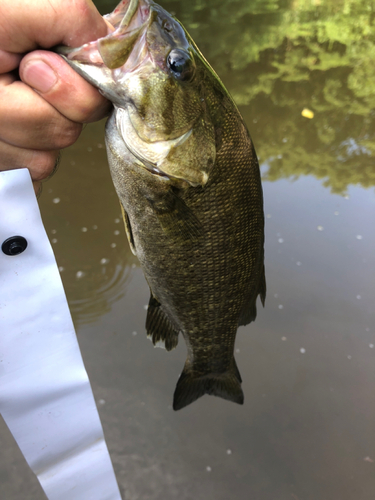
[158,326]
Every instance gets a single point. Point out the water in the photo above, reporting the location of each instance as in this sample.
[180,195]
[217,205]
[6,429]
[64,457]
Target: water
[306,430]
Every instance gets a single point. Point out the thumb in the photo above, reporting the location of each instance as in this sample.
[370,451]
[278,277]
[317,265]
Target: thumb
[62,87]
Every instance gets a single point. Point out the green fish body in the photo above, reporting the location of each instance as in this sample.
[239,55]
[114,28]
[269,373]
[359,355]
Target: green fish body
[187,176]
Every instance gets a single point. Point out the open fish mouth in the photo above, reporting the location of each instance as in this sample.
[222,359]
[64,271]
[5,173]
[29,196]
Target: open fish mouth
[145,66]
[124,45]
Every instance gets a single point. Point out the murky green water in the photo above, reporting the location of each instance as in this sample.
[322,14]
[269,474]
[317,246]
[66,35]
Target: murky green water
[306,430]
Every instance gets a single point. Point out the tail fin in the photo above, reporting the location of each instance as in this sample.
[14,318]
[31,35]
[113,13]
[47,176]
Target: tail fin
[191,386]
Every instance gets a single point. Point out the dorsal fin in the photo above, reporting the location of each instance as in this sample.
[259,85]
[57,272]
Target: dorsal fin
[249,309]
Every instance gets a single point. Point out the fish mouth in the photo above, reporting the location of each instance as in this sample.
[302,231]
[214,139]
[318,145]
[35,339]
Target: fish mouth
[123,46]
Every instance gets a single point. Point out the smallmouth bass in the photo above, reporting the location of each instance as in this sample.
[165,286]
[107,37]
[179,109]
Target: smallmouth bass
[187,177]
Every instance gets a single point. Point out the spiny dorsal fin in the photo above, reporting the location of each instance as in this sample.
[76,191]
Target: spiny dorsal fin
[158,326]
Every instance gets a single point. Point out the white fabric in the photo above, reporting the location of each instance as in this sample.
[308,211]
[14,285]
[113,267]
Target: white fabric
[45,394]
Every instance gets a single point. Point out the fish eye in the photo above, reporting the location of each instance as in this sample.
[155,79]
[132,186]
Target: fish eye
[181,64]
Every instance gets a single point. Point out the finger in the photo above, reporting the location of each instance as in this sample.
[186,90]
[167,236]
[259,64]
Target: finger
[38,187]
[41,164]
[28,121]
[62,87]
[45,24]
[7,79]
[8,61]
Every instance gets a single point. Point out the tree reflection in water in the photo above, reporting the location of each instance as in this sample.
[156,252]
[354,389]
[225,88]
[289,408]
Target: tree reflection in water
[278,57]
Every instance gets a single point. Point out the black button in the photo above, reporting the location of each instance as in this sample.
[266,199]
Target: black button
[14,245]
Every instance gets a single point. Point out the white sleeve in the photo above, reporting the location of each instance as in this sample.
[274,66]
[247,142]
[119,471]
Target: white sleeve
[45,394]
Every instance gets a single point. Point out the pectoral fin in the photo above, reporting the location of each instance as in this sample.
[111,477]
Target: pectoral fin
[177,220]
[128,230]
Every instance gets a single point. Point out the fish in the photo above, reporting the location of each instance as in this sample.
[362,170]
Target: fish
[187,176]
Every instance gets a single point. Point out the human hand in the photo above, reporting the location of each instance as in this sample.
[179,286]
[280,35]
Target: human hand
[43,102]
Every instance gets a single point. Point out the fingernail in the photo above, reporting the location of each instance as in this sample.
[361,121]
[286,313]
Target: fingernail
[39,75]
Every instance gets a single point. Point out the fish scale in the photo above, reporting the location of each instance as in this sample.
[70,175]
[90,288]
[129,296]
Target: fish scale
[193,207]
